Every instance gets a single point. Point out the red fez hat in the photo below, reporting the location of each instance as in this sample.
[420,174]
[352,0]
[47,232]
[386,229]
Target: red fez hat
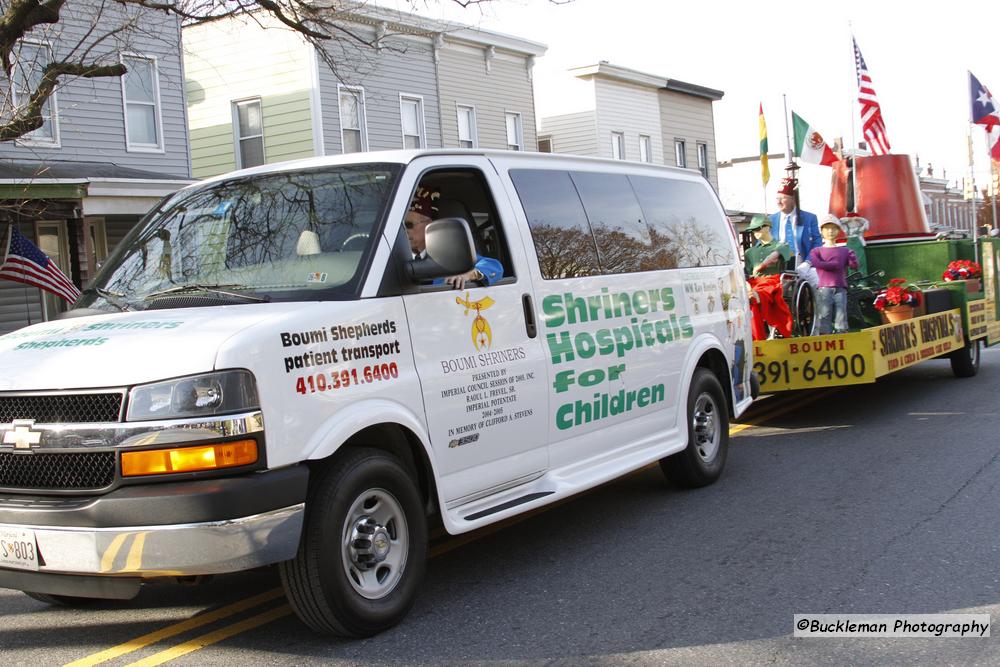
[425,202]
[788,186]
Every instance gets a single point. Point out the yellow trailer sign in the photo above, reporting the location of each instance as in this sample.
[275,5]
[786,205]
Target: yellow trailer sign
[811,362]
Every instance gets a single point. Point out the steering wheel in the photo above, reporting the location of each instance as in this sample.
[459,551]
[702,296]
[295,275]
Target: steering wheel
[353,237]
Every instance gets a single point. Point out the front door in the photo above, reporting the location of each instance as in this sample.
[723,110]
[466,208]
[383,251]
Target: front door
[481,373]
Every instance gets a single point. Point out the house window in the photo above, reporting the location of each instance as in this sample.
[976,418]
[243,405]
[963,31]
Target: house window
[680,153]
[645,153]
[27,75]
[703,159]
[411,112]
[618,145]
[141,95]
[352,120]
[248,122]
[95,244]
[515,138]
[467,127]
[545,144]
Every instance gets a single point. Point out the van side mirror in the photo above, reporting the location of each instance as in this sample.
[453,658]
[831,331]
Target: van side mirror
[450,251]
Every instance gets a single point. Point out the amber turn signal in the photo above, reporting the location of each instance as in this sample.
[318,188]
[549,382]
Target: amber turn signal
[189,459]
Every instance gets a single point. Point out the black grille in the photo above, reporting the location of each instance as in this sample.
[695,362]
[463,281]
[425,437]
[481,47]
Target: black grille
[61,408]
[69,470]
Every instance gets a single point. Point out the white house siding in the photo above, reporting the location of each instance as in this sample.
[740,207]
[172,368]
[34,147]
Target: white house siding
[91,119]
[690,118]
[464,79]
[630,109]
[573,133]
[404,65]
[236,60]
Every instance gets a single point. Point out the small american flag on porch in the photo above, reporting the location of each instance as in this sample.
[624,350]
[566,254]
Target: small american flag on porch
[25,263]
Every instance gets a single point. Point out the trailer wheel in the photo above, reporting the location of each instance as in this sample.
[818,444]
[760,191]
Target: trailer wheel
[965,361]
[702,461]
[363,547]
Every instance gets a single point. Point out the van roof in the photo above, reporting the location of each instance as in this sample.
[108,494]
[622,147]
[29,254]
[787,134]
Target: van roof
[407,156]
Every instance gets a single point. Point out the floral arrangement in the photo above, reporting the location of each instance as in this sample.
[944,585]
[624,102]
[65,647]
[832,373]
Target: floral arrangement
[898,293]
[962,269]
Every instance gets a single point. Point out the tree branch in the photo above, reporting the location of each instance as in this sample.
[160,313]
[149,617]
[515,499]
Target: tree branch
[29,118]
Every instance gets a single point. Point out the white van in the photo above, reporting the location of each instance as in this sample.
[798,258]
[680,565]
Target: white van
[263,373]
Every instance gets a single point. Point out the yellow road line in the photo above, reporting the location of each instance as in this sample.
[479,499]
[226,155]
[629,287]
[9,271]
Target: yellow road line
[134,561]
[109,555]
[176,629]
[213,637]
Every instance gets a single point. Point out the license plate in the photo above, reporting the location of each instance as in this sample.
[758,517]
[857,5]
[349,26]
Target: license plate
[17,549]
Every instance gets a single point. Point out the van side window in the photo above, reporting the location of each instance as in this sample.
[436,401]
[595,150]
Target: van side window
[623,240]
[559,227]
[464,194]
[686,227]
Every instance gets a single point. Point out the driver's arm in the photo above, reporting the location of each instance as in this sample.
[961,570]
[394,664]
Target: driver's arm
[486,272]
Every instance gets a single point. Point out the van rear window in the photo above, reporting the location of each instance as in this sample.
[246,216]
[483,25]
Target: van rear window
[685,224]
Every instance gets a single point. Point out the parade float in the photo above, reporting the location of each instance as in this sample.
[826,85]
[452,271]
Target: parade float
[914,297]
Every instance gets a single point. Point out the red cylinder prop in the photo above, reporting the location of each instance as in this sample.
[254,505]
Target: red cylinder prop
[887,193]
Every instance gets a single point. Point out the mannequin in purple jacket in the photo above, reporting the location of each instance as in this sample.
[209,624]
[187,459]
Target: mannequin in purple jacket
[831,262]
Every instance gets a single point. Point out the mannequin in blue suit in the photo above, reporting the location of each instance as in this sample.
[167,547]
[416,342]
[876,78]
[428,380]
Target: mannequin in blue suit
[804,224]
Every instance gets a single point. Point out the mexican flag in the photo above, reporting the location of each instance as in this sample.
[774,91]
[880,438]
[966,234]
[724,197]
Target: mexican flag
[809,144]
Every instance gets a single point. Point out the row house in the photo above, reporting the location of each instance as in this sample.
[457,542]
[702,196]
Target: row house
[258,95]
[109,148]
[946,207]
[630,115]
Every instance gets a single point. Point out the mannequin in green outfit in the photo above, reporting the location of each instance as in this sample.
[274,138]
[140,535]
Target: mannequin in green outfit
[768,256]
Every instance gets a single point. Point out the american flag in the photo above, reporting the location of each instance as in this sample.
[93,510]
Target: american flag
[871,113]
[25,263]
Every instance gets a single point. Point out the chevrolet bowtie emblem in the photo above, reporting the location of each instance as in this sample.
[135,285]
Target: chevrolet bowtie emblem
[22,437]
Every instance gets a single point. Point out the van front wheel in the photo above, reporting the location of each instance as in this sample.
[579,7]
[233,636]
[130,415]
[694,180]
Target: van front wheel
[702,461]
[363,547]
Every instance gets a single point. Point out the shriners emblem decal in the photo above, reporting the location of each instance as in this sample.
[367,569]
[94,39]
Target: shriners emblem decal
[482,336]
[22,437]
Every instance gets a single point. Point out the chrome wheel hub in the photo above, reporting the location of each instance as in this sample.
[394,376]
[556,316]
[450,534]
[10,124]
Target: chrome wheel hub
[705,425]
[375,543]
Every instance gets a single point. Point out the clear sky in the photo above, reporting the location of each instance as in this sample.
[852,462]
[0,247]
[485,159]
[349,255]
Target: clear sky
[918,54]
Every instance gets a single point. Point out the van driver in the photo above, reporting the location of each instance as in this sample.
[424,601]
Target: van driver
[423,210]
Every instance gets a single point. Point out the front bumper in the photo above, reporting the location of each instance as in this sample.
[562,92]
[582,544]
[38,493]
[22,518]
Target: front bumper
[186,528]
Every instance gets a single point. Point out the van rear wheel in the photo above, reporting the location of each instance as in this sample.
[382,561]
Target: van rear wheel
[363,547]
[702,461]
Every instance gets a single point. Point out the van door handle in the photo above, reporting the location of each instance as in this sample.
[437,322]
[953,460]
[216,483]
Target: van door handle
[529,316]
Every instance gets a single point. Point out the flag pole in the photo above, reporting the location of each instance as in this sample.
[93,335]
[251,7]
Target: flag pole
[972,200]
[854,140]
[994,168]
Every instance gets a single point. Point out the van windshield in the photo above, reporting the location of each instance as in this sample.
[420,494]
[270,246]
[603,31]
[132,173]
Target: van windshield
[279,236]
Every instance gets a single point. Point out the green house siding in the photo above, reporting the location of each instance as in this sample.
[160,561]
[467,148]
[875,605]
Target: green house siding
[287,136]
[287,127]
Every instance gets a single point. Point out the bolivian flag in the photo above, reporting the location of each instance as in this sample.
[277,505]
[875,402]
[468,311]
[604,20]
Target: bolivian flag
[765,173]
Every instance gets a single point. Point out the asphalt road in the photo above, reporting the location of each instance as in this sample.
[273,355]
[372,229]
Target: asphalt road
[882,498]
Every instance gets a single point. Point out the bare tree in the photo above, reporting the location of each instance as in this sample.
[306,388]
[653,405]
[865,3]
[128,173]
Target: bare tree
[37,55]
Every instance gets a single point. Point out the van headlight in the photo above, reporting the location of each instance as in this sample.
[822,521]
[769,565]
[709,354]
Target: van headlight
[194,396]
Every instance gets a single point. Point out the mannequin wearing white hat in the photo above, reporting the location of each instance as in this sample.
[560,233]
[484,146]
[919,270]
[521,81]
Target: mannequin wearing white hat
[831,262]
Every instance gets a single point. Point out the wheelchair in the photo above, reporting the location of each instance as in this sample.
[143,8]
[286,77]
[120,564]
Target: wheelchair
[801,299]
